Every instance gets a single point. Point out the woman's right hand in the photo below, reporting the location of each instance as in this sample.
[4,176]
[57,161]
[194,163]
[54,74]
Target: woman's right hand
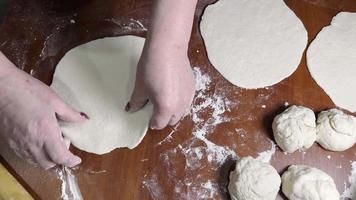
[29,114]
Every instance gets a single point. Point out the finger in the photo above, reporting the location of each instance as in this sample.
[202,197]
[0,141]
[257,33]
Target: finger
[175,119]
[138,100]
[22,153]
[187,110]
[41,159]
[27,156]
[67,114]
[67,142]
[59,154]
[160,118]
[184,112]
[57,151]
[188,107]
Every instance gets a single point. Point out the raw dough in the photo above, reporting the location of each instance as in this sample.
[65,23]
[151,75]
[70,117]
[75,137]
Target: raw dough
[98,78]
[331,60]
[294,129]
[307,183]
[336,130]
[254,180]
[253,43]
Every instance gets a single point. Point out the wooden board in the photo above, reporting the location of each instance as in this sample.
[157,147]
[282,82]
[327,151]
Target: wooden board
[36,34]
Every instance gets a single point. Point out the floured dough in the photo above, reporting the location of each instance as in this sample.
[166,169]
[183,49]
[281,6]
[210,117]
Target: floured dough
[254,180]
[253,43]
[98,78]
[331,60]
[336,130]
[302,182]
[295,129]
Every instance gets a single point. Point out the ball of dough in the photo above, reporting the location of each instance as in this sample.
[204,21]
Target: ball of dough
[294,129]
[301,182]
[336,131]
[253,180]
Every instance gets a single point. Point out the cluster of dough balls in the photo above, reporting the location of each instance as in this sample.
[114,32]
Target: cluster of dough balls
[296,129]
[255,180]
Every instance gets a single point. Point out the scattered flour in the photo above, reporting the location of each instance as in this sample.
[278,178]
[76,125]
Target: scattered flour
[170,135]
[266,156]
[153,186]
[128,26]
[198,152]
[286,104]
[350,191]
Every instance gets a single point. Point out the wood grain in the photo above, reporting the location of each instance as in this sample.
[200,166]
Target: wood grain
[36,34]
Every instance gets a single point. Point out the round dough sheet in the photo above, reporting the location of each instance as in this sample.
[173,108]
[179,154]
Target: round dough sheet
[253,43]
[97,78]
[331,60]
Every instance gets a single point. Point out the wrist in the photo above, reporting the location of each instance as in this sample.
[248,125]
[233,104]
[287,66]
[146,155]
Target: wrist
[164,47]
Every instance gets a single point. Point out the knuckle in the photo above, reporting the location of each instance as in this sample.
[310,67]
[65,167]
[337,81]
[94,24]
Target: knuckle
[45,126]
[159,123]
[165,107]
[58,157]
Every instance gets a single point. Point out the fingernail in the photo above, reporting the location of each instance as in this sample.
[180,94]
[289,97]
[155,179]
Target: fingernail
[127,107]
[84,115]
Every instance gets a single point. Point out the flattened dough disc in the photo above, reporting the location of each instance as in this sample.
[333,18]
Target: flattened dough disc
[98,78]
[253,43]
[331,60]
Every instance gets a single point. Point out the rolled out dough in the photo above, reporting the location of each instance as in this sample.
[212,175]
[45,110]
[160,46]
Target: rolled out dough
[98,78]
[253,43]
[331,60]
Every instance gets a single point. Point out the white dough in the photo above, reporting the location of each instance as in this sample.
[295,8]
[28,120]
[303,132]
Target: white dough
[98,78]
[331,60]
[336,130]
[254,180]
[295,129]
[307,183]
[253,43]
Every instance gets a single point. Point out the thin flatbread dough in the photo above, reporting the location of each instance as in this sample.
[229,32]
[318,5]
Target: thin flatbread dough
[253,43]
[98,78]
[331,60]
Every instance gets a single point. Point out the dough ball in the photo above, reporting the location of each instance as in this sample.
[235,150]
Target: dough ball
[336,131]
[294,129]
[253,180]
[301,182]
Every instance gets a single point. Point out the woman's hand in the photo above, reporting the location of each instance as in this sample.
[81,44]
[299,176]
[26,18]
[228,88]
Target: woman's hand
[166,79]
[164,75]
[29,114]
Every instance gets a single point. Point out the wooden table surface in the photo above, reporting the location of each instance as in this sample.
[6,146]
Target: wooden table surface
[36,34]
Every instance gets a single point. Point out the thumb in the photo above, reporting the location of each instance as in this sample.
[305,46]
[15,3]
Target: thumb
[66,141]
[139,99]
[67,114]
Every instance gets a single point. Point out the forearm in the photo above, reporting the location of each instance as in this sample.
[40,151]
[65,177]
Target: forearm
[171,24]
